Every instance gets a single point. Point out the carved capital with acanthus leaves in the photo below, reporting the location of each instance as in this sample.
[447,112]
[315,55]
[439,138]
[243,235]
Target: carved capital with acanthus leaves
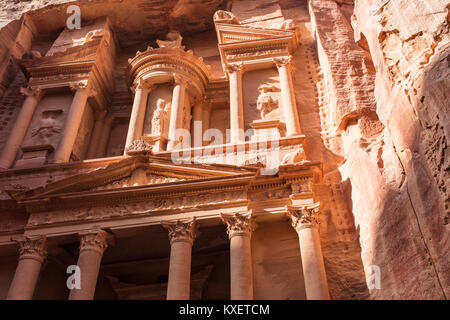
[35,92]
[234,67]
[139,146]
[83,85]
[181,80]
[283,61]
[95,240]
[239,224]
[34,247]
[180,230]
[304,216]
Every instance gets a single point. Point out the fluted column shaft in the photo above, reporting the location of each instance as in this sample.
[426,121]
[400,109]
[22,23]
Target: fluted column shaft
[239,229]
[181,235]
[92,246]
[288,97]
[20,128]
[236,103]
[306,224]
[137,115]
[72,123]
[32,253]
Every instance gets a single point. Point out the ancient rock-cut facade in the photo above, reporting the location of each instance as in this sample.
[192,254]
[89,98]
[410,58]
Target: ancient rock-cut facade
[266,149]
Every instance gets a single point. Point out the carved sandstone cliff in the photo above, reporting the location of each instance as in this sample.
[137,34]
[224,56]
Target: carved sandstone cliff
[395,139]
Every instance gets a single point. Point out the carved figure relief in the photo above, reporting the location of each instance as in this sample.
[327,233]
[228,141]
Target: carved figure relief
[266,101]
[49,125]
[173,40]
[160,118]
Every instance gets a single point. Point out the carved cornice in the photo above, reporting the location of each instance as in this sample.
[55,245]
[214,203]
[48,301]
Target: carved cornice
[304,217]
[95,240]
[32,247]
[239,224]
[181,230]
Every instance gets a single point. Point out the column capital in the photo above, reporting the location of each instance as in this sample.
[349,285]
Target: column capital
[182,80]
[84,84]
[234,67]
[34,247]
[146,86]
[94,240]
[35,92]
[305,216]
[181,230]
[239,224]
[282,61]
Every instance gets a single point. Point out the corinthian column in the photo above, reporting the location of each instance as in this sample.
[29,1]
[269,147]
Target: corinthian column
[137,114]
[92,246]
[288,96]
[239,229]
[73,121]
[236,102]
[20,128]
[32,253]
[176,110]
[181,235]
[305,222]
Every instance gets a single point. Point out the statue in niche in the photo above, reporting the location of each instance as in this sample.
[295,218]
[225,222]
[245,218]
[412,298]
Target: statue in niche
[173,40]
[49,125]
[160,117]
[266,103]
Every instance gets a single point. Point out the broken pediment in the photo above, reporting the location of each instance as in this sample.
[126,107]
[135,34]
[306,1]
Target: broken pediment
[249,44]
[135,171]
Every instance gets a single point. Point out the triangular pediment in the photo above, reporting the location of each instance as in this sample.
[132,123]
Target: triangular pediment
[139,171]
[235,33]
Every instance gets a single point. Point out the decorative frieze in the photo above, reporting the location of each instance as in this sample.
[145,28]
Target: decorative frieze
[156,206]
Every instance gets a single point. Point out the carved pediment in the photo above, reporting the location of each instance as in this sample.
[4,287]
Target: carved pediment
[128,173]
[232,33]
[244,43]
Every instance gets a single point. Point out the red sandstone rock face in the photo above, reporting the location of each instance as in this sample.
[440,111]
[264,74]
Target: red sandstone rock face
[409,43]
[399,174]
